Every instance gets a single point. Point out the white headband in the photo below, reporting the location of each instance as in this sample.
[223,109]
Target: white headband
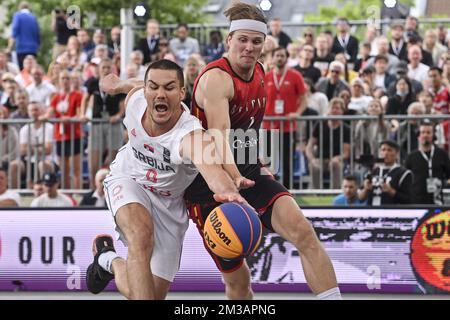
[248,24]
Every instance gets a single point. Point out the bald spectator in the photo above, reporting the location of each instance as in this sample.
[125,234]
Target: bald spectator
[8,198]
[25,33]
[22,100]
[96,198]
[40,90]
[427,58]
[416,69]
[280,36]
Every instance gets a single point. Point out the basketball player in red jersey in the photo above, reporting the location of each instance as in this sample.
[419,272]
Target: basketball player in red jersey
[230,95]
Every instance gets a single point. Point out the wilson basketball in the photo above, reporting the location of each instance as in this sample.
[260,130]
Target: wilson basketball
[232,230]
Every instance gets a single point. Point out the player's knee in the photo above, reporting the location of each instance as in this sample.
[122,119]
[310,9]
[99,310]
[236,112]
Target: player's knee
[303,235]
[141,238]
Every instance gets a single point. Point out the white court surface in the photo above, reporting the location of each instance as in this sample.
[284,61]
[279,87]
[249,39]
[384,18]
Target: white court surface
[209,296]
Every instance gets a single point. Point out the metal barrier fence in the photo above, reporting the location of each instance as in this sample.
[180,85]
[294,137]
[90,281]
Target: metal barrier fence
[304,178]
[36,151]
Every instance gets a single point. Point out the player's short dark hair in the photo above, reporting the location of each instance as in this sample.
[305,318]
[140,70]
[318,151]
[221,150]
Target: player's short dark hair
[165,64]
[391,144]
[280,49]
[435,68]
[351,177]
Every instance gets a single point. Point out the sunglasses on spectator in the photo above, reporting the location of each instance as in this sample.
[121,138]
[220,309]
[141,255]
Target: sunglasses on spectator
[335,71]
[308,35]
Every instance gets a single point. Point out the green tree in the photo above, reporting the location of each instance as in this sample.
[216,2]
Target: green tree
[352,10]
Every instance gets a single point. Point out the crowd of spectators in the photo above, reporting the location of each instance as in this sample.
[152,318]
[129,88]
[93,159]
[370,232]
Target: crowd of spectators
[405,71]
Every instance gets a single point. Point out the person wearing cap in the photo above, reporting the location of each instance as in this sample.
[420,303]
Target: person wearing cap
[52,197]
[344,42]
[388,183]
[401,70]
[358,101]
[430,166]
[397,46]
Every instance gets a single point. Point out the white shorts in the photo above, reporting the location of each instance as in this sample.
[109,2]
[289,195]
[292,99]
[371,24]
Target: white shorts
[169,217]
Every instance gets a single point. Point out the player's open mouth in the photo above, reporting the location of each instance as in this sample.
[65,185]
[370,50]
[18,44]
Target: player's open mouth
[161,107]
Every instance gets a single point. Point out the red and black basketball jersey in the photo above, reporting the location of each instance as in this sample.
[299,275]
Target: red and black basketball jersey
[246,111]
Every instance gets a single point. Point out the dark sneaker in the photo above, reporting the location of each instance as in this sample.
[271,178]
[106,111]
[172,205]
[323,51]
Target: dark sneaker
[96,277]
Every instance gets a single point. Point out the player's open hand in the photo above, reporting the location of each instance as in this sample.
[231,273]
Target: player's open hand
[230,197]
[243,183]
[109,84]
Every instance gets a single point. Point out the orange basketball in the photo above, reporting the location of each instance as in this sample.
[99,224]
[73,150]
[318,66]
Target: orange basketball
[232,230]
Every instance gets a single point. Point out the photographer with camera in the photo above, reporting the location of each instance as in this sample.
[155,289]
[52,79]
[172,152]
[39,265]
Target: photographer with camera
[63,30]
[389,183]
[430,166]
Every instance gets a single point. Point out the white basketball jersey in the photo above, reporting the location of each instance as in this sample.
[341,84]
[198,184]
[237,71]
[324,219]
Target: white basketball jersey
[155,162]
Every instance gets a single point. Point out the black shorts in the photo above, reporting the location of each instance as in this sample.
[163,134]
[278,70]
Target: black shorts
[261,197]
[68,147]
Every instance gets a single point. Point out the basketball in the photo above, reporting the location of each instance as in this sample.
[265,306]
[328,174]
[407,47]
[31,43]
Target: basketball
[232,230]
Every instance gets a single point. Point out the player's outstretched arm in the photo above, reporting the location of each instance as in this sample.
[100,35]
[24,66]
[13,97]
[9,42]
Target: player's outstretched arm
[112,84]
[200,149]
[215,90]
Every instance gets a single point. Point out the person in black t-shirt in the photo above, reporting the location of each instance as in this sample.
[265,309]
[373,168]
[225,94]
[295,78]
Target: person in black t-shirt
[103,136]
[430,166]
[63,29]
[389,183]
[329,147]
[305,66]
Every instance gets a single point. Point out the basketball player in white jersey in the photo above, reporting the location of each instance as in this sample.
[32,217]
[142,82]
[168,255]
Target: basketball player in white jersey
[145,188]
